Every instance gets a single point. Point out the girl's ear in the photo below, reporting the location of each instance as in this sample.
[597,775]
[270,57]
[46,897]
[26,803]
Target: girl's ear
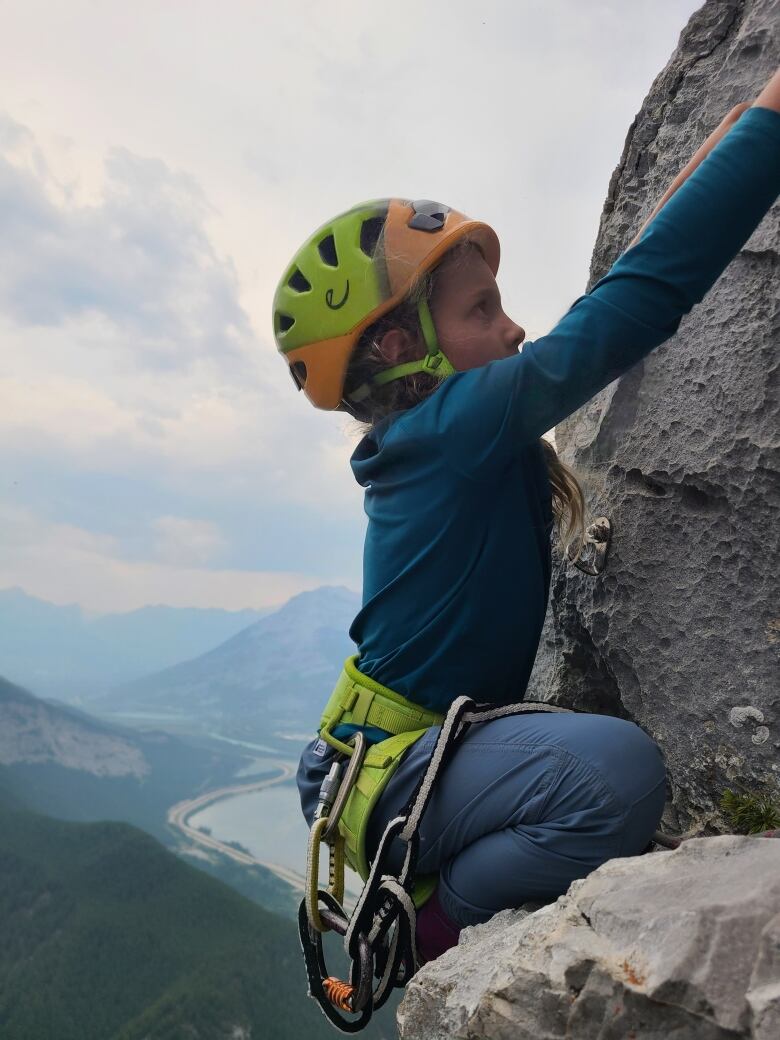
[397,346]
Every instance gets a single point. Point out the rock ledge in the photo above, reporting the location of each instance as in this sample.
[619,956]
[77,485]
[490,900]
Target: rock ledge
[683,944]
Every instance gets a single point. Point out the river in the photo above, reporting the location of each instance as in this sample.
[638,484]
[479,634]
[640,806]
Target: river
[269,824]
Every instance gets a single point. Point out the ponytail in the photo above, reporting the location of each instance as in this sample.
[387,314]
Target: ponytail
[568,503]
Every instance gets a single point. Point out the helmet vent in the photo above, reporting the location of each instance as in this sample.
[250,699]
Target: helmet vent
[298,372]
[370,231]
[284,322]
[298,281]
[428,216]
[327,251]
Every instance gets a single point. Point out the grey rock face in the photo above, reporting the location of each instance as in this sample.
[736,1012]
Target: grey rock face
[681,633]
[682,944]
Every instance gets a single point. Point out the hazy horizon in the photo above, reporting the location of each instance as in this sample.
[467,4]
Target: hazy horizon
[94,614]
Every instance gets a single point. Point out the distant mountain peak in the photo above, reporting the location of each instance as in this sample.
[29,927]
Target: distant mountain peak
[272,676]
[324,593]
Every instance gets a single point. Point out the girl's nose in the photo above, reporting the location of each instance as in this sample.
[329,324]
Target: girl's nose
[515,335]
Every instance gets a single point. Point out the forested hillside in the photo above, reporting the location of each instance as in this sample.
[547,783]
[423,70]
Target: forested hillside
[107,936]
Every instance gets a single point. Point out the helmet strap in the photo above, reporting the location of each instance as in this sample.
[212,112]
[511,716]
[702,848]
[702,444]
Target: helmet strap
[435,362]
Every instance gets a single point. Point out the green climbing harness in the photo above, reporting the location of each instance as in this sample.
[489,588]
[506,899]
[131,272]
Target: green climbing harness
[362,701]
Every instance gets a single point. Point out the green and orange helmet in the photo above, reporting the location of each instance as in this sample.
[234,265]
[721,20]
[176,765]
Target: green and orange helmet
[350,272]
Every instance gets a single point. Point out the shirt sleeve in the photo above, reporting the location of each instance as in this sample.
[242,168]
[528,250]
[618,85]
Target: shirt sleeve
[485,415]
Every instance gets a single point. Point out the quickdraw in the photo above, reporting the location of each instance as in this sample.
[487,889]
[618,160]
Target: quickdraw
[333,797]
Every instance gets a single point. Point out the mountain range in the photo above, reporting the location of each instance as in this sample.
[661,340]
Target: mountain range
[64,652]
[63,762]
[267,683]
[106,934]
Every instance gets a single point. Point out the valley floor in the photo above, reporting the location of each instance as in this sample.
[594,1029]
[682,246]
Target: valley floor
[179,816]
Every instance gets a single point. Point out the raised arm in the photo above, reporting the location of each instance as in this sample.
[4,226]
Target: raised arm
[680,255]
[722,128]
[486,414]
[768,98]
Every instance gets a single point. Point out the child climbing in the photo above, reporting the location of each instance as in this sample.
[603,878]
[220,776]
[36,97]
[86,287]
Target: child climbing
[391,313]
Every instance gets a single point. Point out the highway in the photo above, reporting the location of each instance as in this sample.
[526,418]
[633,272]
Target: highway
[179,815]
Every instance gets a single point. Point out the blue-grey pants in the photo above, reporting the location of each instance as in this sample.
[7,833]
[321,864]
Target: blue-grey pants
[526,805]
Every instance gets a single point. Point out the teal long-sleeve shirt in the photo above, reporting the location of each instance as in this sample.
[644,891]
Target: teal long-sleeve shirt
[457,558]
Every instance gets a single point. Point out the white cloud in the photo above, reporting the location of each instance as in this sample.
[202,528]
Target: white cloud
[140,257]
[179,428]
[118,341]
[182,541]
[65,564]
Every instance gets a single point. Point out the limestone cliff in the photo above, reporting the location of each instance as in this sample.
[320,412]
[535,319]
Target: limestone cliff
[33,732]
[681,634]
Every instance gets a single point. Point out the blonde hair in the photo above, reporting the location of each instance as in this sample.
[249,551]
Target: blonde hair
[568,504]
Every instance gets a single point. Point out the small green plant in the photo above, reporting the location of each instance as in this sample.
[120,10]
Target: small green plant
[750,813]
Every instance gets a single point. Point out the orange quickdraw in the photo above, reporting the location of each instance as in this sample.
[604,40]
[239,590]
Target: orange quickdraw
[338,992]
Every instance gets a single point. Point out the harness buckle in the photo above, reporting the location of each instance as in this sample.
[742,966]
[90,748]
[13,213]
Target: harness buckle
[326,735]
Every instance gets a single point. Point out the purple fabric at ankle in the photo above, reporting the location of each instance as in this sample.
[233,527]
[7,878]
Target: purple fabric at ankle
[436,932]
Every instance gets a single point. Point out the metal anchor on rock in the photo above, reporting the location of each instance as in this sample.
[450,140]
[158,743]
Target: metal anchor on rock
[592,558]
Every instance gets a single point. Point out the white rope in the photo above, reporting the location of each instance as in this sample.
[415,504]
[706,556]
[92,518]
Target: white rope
[434,764]
[448,735]
[511,709]
[367,887]
[391,885]
[480,714]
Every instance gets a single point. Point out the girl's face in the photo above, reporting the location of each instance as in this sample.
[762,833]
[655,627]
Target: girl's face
[467,312]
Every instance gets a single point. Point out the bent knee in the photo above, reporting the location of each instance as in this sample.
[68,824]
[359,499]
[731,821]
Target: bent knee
[629,761]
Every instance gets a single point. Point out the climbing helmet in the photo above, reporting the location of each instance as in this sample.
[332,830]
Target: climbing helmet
[350,272]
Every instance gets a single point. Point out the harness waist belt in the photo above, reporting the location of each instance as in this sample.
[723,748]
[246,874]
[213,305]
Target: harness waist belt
[359,700]
[362,701]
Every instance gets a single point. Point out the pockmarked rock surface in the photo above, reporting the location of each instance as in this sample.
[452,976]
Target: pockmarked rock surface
[682,944]
[681,634]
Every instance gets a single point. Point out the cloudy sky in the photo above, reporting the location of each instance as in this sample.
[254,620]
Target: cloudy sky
[159,165]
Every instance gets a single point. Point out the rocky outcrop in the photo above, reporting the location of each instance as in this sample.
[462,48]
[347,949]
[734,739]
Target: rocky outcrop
[35,733]
[681,633]
[682,944]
